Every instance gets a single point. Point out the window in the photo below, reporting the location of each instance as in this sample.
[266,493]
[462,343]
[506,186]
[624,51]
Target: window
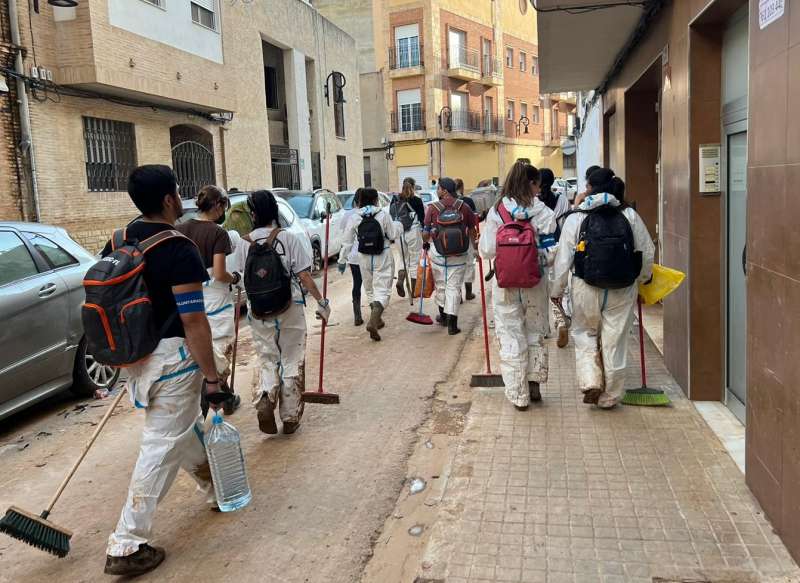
[55,256]
[159,3]
[457,46]
[367,172]
[523,110]
[534,65]
[409,103]
[15,260]
[509,57]
[341,172]
[523,61]
[407,51]
[510,111]
[338,118]
[203,13]
[535,118]
[110,153]
[271,82]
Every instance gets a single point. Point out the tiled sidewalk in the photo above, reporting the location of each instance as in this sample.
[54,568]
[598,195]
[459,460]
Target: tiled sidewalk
[568,493]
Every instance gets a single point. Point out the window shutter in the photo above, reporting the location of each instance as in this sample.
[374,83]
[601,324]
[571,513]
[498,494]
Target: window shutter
[207,4]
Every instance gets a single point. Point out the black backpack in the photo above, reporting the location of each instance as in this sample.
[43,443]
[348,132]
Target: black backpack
[370,236]
[118,317]
[401,211]
[451,232]
[606,256]
[266,281]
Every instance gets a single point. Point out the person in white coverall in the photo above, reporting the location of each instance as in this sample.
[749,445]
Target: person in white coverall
[601,318]
[408,205]
[353,262]
[377,271]
[280,341]
[521,315]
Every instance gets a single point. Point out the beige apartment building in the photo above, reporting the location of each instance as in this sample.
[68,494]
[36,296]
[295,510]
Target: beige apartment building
[230,93]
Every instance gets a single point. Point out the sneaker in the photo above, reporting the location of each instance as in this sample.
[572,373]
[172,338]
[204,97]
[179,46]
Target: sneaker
[142,561]
[265,411]
[563,337]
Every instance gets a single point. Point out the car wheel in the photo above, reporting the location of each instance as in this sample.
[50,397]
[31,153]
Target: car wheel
[89,375]
[317,262]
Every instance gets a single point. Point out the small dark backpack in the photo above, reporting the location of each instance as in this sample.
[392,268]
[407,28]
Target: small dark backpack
[370,236]
[266,281]
[451,233]
[606,256]
[118,317]
[401,211]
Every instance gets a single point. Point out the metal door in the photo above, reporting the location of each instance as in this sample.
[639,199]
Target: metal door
[194,166]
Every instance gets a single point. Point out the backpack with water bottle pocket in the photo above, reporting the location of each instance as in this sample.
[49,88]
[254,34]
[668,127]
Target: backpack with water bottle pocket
[516,262]
[605,255]
[451,232]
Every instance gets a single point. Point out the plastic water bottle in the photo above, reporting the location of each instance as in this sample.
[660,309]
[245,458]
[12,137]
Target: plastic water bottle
[228,472]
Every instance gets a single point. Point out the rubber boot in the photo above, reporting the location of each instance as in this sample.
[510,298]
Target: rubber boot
[470,295]
[452,325]
[357,319]
[401,283]
[441,319]
[374,320]
[535,393]
[563,337]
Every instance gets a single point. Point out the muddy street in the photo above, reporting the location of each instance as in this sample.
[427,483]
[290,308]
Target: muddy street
[321,496]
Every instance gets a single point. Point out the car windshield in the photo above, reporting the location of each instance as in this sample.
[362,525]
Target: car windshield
[301,202]
[346,200]
[426,196]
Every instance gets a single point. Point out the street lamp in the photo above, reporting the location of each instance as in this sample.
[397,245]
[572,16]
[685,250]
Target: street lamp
[446,119]
[523,122]
[339,81]
[389,151]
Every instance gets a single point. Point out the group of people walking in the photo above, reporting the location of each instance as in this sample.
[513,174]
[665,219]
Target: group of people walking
[542,252]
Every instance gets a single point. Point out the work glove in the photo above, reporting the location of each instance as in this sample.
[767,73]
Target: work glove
[324,310]
[341,267]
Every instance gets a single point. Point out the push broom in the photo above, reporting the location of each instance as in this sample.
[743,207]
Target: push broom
[644,396]
[421,317]
[39,532]
[485,379]
[320,396]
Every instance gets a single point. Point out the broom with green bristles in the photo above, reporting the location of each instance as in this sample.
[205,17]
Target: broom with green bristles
[37,531]
[644,396]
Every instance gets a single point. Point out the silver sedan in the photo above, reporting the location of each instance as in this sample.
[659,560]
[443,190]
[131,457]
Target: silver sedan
[42,348]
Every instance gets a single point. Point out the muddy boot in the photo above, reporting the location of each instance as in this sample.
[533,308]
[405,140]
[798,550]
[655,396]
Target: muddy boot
[401,282]
[357,319]
[231,405]
[470,295]
[265,412]
[591,396]
[441,319]
[142,561]
[290,427]
[535,393]
[563,337]
[374,320]
[452,325]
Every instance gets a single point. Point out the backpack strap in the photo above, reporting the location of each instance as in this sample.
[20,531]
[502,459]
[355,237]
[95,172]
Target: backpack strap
[159,238]
[118,239]
[458,204]
[504,214]
[272,236]
[438,206]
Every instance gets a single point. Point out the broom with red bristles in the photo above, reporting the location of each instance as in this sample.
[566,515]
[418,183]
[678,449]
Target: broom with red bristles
[421,317]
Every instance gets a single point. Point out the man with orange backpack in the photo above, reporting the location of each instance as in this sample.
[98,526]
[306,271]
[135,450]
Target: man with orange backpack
[451,225]
[518,237]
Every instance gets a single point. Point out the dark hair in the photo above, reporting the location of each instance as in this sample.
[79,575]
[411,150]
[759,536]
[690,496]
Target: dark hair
[547,196]
[459,186]
[211,196]
[517,184]
[589,171]
[148,185]
[448,184]
[264,207]
[604,180]
[369,196]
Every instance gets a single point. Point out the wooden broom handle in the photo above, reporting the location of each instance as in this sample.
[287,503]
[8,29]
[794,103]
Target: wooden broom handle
[86,448]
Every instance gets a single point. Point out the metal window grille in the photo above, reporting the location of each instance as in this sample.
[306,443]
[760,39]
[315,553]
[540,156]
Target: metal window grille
[341,172]
[194,167]
[285,168]
[110,153]
[338,118]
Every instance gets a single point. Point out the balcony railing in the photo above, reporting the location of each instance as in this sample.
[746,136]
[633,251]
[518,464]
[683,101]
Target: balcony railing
[473,122]
[406,56]
[493,125]
[463,58]
[408,120]
[491,66]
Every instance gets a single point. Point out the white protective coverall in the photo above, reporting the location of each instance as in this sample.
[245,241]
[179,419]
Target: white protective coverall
[521,315]
[377,271]
[167,386]
[280,342]
[601,319]
[411,241]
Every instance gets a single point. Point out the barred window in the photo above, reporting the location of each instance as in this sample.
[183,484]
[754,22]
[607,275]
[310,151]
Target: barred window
[110,153]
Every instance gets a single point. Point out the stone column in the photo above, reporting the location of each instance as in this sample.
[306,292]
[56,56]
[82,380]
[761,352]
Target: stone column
[297,115]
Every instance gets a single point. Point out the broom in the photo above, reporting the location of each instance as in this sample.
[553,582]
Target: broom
[421,317]
[644,396]
[320,396]
[486,379]
[37,531]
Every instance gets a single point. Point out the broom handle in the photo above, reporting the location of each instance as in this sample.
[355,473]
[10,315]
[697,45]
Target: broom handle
[424,273]
[641,343]
[236,317]
[324,296]
[485,318]
[86,448]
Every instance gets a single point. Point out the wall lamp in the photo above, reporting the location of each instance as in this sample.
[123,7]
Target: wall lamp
[446,119]
[339,82]
[522,125]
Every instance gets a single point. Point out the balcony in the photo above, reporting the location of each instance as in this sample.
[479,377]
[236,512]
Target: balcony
[408,123]
[464,64]
[471,125]
[406,60]
[491,71]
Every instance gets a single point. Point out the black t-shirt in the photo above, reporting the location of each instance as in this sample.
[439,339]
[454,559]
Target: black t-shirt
[173,262]
[469,202]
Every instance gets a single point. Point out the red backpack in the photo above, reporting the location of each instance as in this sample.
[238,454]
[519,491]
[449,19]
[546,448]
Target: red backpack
[517,260]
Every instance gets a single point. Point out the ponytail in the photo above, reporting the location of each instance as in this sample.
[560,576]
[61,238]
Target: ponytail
[546,194]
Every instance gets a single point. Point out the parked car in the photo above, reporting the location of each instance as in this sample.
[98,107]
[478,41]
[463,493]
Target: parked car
[428,196]
[567,187]
[42,346]
[310,207]
[347,197]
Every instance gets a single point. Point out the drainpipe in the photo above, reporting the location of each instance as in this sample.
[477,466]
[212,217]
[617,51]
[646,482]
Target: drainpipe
[26,143]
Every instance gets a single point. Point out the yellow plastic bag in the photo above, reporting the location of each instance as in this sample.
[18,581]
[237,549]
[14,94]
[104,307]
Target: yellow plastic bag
[664,282]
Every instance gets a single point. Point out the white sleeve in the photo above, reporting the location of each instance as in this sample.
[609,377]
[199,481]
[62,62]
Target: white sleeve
[565,254]
[393,230]
[348,236]
[488,240]
[643,243]
[297,255]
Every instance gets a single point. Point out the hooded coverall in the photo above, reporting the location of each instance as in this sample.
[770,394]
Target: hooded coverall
[280,341]
[377,271]
[601,318]
[521,315]
[411,241]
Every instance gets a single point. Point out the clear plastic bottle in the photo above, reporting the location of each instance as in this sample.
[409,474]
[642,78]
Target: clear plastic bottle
[228,472]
